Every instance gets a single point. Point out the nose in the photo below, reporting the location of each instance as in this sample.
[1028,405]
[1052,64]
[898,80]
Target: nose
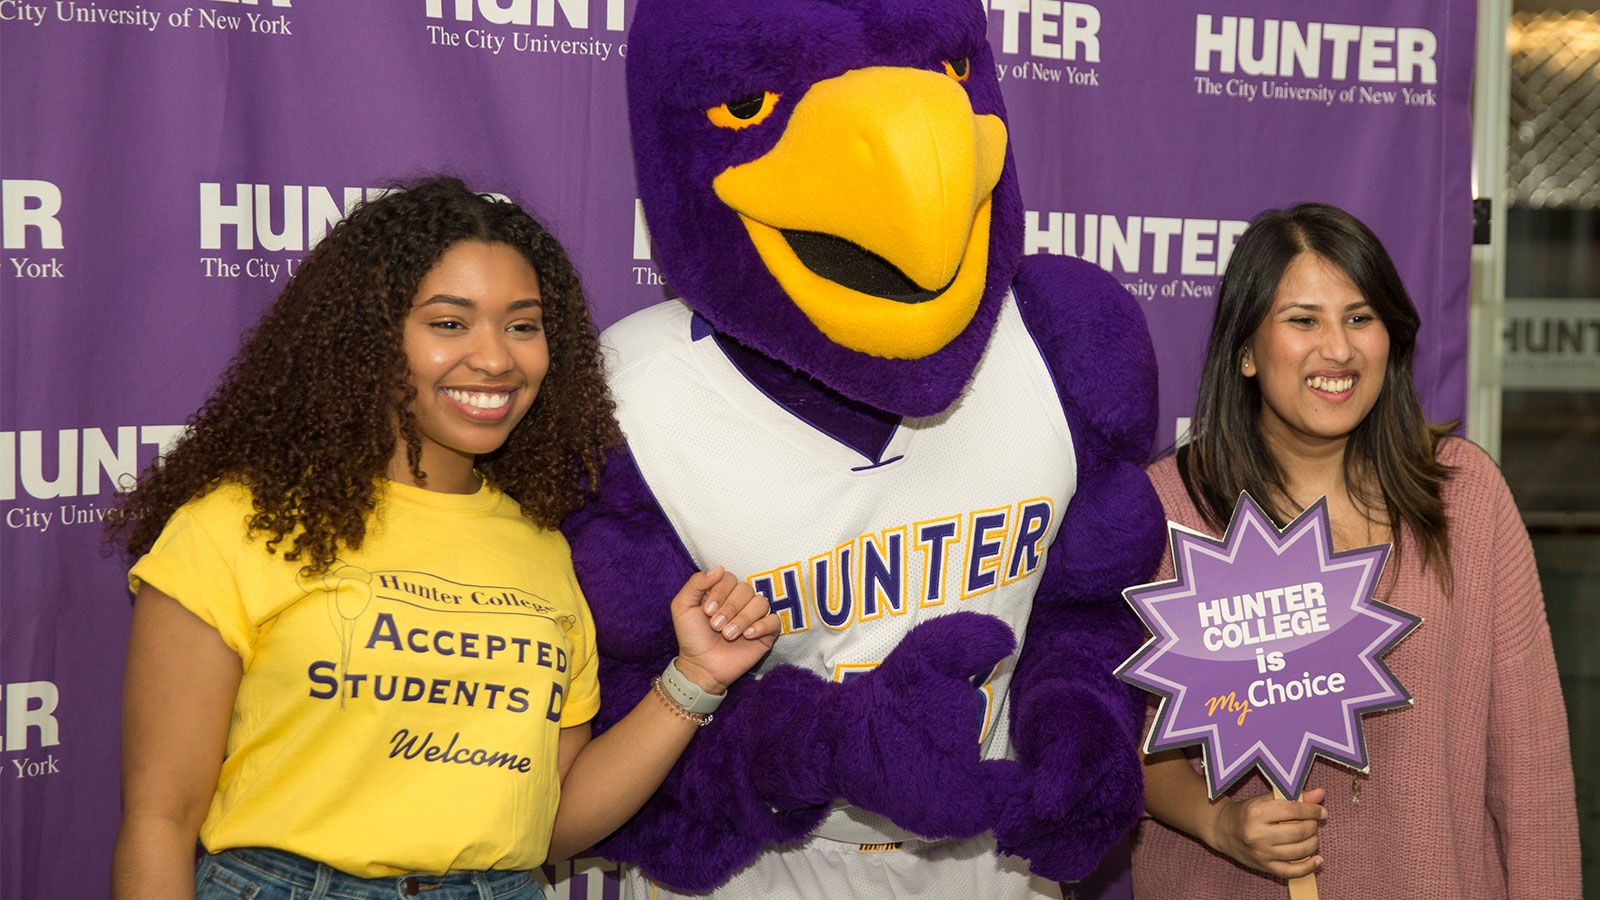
[491,352]
[1336,345]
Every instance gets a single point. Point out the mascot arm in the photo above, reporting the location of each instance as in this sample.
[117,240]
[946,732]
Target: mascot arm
[705,821]
[783,746]
[1075,726]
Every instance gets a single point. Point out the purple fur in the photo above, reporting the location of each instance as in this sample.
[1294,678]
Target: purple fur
[917,708]
[686,56]
[1095,340]
[794,741]
[1075,727]
[894,741]
[626,553]
[705,821]
[783,747]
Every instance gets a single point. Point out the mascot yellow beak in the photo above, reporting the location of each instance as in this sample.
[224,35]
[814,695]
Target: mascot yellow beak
[872,211]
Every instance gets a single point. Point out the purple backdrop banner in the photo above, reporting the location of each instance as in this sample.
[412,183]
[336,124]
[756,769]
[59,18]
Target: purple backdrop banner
[165,164]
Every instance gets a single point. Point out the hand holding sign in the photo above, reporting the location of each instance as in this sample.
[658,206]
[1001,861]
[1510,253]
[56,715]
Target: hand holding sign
[1270,833]
[1266,648]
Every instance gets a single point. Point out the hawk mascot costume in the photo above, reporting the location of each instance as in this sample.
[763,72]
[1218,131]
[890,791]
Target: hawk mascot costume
[922,447]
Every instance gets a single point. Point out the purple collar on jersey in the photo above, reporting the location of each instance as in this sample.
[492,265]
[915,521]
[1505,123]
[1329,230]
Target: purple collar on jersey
[856,425]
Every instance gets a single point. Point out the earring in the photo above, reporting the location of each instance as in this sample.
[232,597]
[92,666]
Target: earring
[1246,366]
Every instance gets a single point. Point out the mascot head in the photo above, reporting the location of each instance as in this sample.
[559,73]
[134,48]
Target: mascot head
[830,183]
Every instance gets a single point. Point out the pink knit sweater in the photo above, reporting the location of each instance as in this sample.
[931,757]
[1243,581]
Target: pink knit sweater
[1470,793]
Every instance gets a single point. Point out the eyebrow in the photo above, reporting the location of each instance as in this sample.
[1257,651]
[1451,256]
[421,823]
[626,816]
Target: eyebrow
[466,303]
[1317,307]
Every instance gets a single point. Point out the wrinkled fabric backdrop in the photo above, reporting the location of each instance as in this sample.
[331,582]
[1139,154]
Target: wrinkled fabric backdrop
[166,164]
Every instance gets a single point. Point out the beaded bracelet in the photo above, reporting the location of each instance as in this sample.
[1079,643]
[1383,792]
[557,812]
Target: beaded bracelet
[660,690]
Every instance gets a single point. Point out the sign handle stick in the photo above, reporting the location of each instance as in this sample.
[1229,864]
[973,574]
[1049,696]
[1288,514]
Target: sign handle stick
[1304,887]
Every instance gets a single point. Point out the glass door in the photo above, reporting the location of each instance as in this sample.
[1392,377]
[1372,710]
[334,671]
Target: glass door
[1549,351]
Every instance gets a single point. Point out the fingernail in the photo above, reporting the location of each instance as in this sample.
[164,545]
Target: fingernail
[1323,815]
[711,608]
[717,622]
[1317,862]
[750,632]
[730,632]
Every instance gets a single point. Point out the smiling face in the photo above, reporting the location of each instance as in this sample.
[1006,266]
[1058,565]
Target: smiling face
[475,344]
[1319,357]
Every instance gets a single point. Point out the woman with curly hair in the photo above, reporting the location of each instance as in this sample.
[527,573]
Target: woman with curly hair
[360,664]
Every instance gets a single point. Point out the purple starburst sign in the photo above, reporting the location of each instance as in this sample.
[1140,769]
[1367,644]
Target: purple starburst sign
[1265,648]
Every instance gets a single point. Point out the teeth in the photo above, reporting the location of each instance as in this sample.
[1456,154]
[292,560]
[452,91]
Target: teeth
[1331,385]
[477,399]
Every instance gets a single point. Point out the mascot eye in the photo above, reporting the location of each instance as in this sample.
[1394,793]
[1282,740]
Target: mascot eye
[957,69]
[743,112]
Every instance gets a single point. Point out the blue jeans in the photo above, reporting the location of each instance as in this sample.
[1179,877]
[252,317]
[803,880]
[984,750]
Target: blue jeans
[256,873]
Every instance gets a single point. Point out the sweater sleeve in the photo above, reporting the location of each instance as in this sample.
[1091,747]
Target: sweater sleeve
[1529,781]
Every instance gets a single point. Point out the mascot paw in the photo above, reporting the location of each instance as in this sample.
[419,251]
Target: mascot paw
[1064,819]
[908,746]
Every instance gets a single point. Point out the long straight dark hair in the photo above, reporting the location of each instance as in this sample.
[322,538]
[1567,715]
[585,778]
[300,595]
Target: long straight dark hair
[1389,462]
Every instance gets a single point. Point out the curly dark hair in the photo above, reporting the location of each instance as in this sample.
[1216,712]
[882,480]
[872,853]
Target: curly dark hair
[307,414]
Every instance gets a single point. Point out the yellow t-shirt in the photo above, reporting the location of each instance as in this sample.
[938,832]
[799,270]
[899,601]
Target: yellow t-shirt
[400,713]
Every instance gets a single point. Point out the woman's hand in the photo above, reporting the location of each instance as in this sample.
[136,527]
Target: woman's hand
[1275,836]
[724,628]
